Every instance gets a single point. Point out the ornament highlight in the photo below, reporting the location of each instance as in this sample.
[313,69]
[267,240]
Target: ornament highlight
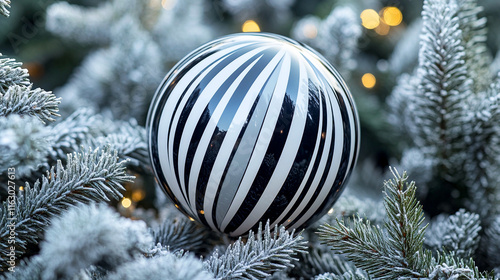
[251,127]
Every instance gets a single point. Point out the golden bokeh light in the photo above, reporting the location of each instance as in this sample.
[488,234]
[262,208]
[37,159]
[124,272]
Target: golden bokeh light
[138,195]
[370,19]
[382,29]
[392,16]
[126,202]
[310,31]
[368,80]
[250,26]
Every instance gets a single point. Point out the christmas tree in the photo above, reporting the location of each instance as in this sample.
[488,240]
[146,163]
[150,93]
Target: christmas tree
[79,199]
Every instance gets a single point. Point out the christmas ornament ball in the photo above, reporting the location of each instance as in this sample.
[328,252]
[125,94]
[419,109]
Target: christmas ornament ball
[253,127]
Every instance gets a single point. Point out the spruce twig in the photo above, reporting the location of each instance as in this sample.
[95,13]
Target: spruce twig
[180,234]
[11,72]
[263,254]
[4,6]
[396,251]
[91,176]
[389,254]
[23,100]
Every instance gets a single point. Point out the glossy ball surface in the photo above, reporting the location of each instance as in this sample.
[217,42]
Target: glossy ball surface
[253,127]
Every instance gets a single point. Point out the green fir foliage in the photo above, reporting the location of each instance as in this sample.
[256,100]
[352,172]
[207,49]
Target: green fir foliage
[396,251]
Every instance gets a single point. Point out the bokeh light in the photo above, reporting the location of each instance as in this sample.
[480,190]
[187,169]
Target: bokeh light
[310,31]
[392,16]
[370,19]
[382,29]
[126,202]
[368,80]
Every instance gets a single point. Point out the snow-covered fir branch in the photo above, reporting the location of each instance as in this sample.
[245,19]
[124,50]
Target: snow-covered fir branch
[336,36]
[180,234]
[389,254]
[492,243]
[483,148]
[174,266]
[358,275]
[443,85]
[86,24]
[4,6]
[128,139]
[474,36]
[22,144]
[458,233]
[396,250]
[262,254]
[107,242]
[72,132]
[23,100]
[318,261]
[95,175]
[11,74]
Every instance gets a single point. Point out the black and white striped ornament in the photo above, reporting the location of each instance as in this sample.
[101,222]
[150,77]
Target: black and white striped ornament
[253,127]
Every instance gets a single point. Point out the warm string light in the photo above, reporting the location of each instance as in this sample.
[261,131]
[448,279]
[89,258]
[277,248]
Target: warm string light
[382,21]
[370,19]
[126,202]
[138,195]
[368,80]
[250,26]
[392,16]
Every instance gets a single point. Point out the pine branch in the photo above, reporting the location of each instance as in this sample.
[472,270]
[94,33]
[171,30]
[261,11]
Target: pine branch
[386,255]
[172,266]
[443,85]
[129,140]
[458,233]
[474,36]
[482,166]
[4,6]
[105,242]
[396,251]
[316,262]
[83,25]
[449,266]
[91,176]
[263,254]
[180,234]
[358,275]
[22,144]
[405,218]
[492,242]
[11,72]
[23,100]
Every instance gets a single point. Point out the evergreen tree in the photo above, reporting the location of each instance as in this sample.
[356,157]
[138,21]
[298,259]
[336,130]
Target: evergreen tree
[79,199]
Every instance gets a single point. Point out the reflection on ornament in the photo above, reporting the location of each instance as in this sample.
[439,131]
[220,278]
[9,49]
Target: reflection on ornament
[253,127]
